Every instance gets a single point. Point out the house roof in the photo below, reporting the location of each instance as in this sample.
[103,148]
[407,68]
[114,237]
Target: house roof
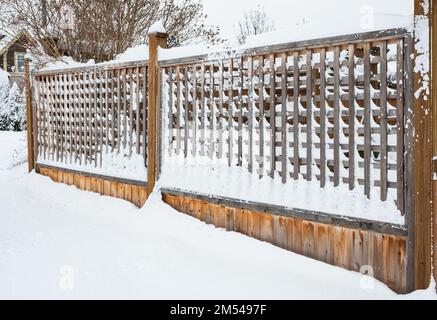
[9,39]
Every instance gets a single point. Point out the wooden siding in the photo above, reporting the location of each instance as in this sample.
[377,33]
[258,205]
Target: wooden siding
[133,193]
[351,249]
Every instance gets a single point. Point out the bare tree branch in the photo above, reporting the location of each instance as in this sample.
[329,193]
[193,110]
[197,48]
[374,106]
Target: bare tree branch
[254,22]
[104,28]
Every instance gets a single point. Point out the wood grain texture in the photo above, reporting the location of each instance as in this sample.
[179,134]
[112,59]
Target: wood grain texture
[434,107]
[351,249]
[156,40]
[29,118]
[420,220]
[135,194]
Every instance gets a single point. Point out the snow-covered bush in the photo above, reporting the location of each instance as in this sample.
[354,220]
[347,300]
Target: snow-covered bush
[12,106]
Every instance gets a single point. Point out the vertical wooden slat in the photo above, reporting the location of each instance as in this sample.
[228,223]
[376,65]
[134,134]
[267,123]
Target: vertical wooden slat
[221,117]
[138,110]
[323,119]
[50,123]
[79,116]
[261,114]
[352,143]
[69,114]
[195,114]
[119,76]
[230,112]
[40,105]
[84,87]
[73,95]
[94,119]
[146,113]
[113,109]
[53,121]
[384,140]
[251,103]
[170,111]
[36,101]
[272,102]
[309,105]
[284,118]
[240,112]
[336,117]
[102,114]
[107,110]
[178,113]
[131,113]
[88,117]
[186,110]
[47,107]
[125,107]
[58,117]
[296,129]
[48,118]
[60,114]
[367,115]
[203,112]
[212,126]
[400,124]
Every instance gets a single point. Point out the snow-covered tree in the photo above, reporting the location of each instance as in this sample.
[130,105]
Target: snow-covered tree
[12,108]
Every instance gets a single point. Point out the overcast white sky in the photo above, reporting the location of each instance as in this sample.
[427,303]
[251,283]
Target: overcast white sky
[286,13]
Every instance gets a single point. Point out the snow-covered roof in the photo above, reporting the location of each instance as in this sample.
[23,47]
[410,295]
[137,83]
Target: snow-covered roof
[9,38]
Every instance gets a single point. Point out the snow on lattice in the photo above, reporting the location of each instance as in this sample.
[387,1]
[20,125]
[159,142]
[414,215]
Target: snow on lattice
[92,121]
[227,107]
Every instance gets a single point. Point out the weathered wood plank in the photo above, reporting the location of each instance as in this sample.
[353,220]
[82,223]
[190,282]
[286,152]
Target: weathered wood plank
[323,130]
[261,88]
[336,117]
[272,115]
[296,123]
[383,106]
[230,111]
[352,119]
[309,107]
[367,123]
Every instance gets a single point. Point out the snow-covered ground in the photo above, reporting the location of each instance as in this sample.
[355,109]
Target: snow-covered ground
[61,243]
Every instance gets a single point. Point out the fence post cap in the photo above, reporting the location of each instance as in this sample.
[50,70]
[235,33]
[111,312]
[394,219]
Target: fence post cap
[158,29]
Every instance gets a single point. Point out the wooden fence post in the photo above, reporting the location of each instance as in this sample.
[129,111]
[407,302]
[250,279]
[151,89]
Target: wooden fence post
[156,40]
[434,112]
[29,117]
[419,220]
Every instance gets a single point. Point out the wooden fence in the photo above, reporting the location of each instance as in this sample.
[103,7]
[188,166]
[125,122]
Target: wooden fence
[339,111]
[334,111]
[83,114]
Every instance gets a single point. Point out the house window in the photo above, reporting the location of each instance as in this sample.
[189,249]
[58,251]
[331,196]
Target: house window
[19,62]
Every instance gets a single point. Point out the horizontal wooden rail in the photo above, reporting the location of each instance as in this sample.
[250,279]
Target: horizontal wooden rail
[95,175]
[313,216]
[293,46]
[99,67]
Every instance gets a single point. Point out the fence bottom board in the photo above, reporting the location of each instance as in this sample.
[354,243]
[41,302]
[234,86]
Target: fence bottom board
[383,255]
[133,193]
